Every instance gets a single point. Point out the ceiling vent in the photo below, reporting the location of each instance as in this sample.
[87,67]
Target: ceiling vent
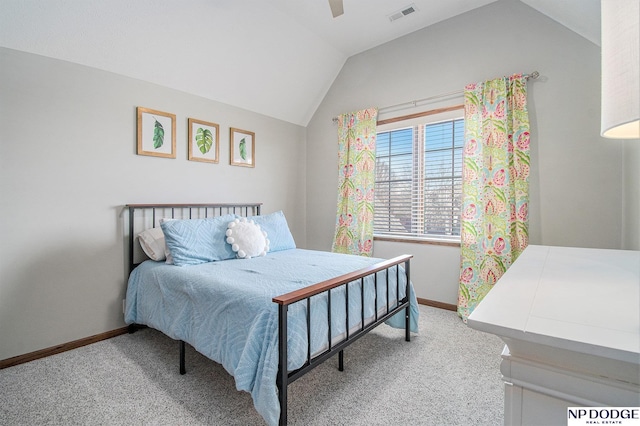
[407,10]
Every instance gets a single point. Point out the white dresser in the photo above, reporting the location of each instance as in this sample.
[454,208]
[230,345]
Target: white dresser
[570,318]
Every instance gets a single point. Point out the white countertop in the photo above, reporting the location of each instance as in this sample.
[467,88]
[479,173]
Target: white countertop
[583,300]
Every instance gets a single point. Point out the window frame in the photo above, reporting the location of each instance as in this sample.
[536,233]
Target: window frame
[436,115]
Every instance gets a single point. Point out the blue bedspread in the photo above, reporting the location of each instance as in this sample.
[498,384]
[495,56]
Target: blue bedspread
[225,311]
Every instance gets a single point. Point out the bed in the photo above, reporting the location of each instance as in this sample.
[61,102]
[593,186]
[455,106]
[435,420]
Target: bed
[235,310]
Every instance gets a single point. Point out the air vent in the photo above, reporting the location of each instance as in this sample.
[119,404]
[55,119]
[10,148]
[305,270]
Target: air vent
[407,10]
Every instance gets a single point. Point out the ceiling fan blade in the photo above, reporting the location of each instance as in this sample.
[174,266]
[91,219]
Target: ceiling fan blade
[337,7]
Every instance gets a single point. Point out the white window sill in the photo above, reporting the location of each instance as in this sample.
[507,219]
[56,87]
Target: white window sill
[453,242]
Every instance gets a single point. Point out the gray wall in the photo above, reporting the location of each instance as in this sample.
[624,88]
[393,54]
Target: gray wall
[631,214]
[576,183]
[68,164]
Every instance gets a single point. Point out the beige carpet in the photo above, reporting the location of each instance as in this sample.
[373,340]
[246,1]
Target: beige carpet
[447,375]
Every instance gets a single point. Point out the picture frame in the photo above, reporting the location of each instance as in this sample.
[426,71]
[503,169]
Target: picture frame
[242,147]
[204,141]
[154,128]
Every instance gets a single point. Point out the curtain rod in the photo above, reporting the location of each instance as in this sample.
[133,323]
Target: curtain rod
[534,75]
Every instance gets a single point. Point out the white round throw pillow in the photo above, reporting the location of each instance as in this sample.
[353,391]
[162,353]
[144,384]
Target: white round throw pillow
[247,239]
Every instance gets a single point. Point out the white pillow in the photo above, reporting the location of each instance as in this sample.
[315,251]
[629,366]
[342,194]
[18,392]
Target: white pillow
[152,243]
[247,239]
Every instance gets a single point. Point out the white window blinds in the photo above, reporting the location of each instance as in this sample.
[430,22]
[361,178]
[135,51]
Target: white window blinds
[419,180]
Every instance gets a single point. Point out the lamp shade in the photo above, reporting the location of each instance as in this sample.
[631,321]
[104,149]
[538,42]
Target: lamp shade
[620,69]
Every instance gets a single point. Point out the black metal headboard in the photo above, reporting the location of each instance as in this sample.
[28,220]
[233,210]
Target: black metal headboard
[144,216]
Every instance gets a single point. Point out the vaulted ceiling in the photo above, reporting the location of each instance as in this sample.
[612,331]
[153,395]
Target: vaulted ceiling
[274,57]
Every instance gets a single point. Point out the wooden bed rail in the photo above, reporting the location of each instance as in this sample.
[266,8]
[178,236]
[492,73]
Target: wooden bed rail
[321,287]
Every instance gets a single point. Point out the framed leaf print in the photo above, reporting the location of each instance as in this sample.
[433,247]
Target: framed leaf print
[243,148]
[204,142]
[156,133]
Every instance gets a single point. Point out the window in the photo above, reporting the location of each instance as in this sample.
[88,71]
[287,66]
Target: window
[419,179]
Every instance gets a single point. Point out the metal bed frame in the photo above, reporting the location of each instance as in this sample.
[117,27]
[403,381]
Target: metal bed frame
[304,295]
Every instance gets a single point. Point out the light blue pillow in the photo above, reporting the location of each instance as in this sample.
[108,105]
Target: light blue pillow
[275,225]
[194,241]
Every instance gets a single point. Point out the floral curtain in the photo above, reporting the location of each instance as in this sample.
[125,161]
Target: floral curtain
[494,216]
[356,176]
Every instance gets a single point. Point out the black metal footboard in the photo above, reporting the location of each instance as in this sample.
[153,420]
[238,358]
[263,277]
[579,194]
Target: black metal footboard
[304,295]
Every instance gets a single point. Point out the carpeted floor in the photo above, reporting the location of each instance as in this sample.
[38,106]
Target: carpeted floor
[447,375]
